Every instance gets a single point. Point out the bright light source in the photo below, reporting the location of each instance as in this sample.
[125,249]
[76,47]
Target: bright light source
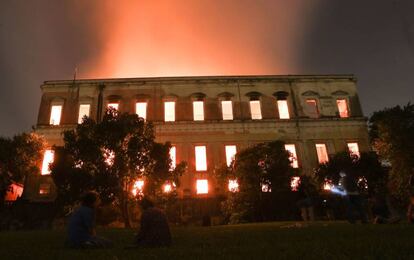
[48,158]
[312,108]
[138,188]
[231,151]
[227,109]
[293,156]
[168,187]
[201,158]
[113,105]
[169,111]
[233,186]
[109,157]
[141,109]
[202,186]
[173,157]
[322,153]
[353,149]
[198,110]
[327,185]
[84,110]
[342,108]
[294,183]
[282,106]
[55,115]
[255,109]
[266,187]
[44,189]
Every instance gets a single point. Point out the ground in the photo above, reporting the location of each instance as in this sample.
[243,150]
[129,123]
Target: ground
[324,240]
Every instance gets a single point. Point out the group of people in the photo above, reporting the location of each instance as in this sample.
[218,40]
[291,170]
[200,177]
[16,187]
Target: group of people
[154,230]
[355,203]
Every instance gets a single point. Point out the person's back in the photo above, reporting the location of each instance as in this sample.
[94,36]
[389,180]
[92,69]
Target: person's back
[154,230]
[80,226]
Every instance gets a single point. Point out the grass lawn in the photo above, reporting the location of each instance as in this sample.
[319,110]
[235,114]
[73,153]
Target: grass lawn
[325,240]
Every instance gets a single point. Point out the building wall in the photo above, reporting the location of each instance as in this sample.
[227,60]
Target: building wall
[213,132]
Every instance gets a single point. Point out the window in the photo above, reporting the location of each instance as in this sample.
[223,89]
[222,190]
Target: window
[55,114]
[173,157]
[141,109]
[198,110]
[167,188]
[48,158]
[44,189]
[312,108]
[138,188]
[322,153]
[109,157]
[113,105]
[230,153]
[282,106]
[227,109]
[266,187]
[169,111]
[201,158]
[84,110]
[202,186]
[293,157]
[295,183]
[255,110]
[342,108]
[353,148]
[233,186]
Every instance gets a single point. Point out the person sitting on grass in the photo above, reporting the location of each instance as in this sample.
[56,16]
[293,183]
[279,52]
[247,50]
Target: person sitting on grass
[81,228]
[154,230]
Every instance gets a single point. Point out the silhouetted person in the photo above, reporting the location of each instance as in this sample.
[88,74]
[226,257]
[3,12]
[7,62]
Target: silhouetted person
[354,201]
[81,228]
[305,200]
[154,230]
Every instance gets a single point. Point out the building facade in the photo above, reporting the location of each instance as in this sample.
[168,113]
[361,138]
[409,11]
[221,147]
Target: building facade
[208,119]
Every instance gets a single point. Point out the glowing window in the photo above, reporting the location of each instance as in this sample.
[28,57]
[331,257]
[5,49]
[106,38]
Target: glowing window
[342,108]
[173,157]
[233,186]
[293,157]
[255,109]
[353,148]
[55,115]
[141,109]
[322,153]
[282,106]
[109,157]
[198,110]
[167,188]
[138,188]
[227,109]
[169,111]
[327,185]
[231,151]
[266,187]
[44,189]
[312,108]
[201,158]
[48,158]
[113,105]
[294,183]
[202,186]
[84,110]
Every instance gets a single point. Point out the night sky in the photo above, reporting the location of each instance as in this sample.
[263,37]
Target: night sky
[46,39]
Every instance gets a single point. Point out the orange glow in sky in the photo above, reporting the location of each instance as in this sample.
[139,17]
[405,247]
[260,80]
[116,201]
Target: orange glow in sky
[197,37]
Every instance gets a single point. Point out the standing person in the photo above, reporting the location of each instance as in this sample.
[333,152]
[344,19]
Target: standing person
[353,199]
[306,201]
[81,228]
[154,230]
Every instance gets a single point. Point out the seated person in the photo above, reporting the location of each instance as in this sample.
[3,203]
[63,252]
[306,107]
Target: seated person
[154,230]
[81,227]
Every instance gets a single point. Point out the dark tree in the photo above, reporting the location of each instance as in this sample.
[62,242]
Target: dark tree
[20,156]
[109,157]
[265,164]
[391,131]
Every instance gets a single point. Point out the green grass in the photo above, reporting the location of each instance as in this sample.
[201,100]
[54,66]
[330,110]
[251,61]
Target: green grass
[250,241]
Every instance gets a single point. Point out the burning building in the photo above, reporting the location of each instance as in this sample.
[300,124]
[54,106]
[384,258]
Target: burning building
[208,119]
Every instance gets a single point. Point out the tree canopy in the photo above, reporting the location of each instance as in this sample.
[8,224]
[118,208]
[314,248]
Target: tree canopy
[391,131]
[109,157]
